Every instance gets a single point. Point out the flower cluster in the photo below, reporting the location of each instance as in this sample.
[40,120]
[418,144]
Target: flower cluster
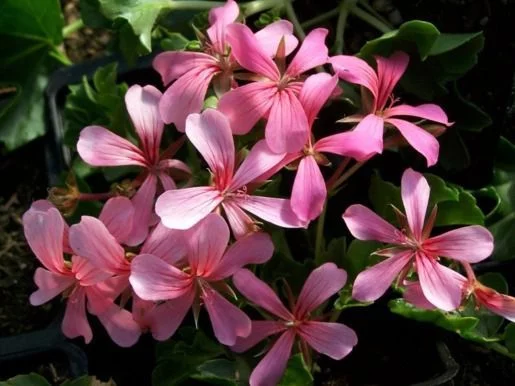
[151,257]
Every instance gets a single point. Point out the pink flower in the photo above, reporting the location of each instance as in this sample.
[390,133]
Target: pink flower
[207,264]
[194,71]
[332,339]
[379,112]
[412,246]
[275,94]
[309,188]
[78,280]
[100,147]
[211,135]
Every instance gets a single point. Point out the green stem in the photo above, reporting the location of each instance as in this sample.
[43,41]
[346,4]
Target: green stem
[195,5]
[319,241]
[320,18]
[60,56]
[345,176]
[501,349]
[371,20]
[72,27]
[290,13]
[257,6]
[371,10]
[345,8]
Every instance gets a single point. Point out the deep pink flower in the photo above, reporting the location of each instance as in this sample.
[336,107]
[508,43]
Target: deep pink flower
[275,94]
[412,246]
[194,71]
[207,264]
[332,339]
[77,279]
[379,107]
[98,146]
[211,135]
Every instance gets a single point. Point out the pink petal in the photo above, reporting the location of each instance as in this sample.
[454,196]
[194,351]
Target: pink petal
[415,197]
[335,340]
[413,294]
[271,368]
[274,210]
[50,285]
[259,293]
[287,128]
[44,233]
[120,326]
[255,248]
[389,72]
[154,279]
[166,318]
[428,111]
[186,96]
[219,19]
[441,285]
[211,134]
[166,181]
[183,208]
[101,296]
[228,321]
[143,202]
[117,215]
[240,222]
[248,53]
[165,243]
[309,192]
[180,166]
[98,146]
[497,303]
[75,322]
[315,92]
[364,224]
[312,53]
[261,329]
[87,273]
[91,240]
[270,37]
[373,282]
[245,105]
[322,283]
[470,244]
[259,161]
[171,65]
[355,70]
[421,140]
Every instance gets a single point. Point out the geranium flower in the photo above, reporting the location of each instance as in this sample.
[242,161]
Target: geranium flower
[210,133]
[98,146]
[194,71]
[332,339]
[413,247]
[200,276]
[379,106]
[275,93]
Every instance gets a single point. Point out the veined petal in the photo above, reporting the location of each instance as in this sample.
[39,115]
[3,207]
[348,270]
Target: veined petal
[497,303]
[165,243]
[183,208]
[413,294]
[422,141]
[428,111]
[245,105]
[120,325]
[75,322]
[186,96]
[441,286]
[154,279]
[271,368]
[312,53]
[117,215]
[355,70]
[309,192]
[98,146]
[315,92]
[364,224]
[415,196]
[171,65]
[240,222]
[259,293]
[248,53]
[143,202]
[322,283]
[219,19]
[287,128]
[270,37]
[335,340]
[50,284]
[389,72]
[228,321]
[373,282]
[87,273]
[261,329]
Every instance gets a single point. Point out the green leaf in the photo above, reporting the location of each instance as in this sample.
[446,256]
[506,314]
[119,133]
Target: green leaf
[495,281]
[509,337]
[447,42]
[174,42]
[335,251]
[383,194]
[297,373]
[345,300]
[223,372]
[31,379]
[505,155]
[359,256]
[503,232]
[440,191]
[462,212]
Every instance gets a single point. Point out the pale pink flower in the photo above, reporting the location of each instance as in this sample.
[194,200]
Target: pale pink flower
[378,106]
[210,133]
[332,339]
[98,146]
[412,247]
[194,71]
[275,93]
[77,279]
[199,277]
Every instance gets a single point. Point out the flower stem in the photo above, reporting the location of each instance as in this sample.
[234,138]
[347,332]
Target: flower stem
[345,7]
[290,13]
[194,5]
[371,20]
[371,10]
[345,176]
[319,240]
[337,173]
[95,196]
[257,6]
[320,18]
[72,27]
